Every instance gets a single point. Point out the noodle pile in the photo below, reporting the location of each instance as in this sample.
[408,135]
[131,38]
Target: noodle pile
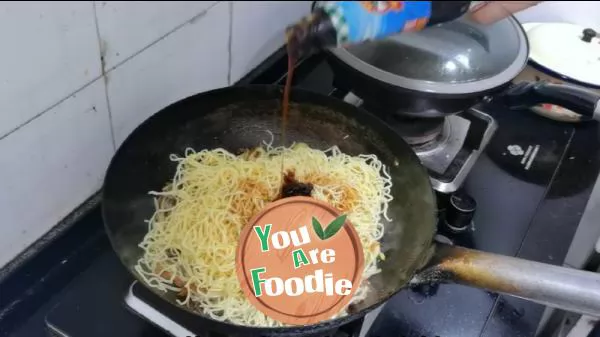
[191,243]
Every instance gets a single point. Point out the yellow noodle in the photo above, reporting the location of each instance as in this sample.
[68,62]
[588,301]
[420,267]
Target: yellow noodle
[191,242]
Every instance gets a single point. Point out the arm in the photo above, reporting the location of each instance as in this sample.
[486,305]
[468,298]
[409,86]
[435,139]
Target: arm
[488,12]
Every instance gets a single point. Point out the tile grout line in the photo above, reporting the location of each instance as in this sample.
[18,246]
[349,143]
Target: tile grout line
[162,37]
[18,127]
[188,21]
[229,43]
[102,50]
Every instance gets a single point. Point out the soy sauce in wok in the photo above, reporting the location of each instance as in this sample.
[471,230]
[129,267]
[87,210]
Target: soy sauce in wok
[291,47]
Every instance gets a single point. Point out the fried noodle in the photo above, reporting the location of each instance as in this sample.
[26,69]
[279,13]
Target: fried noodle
[190,246]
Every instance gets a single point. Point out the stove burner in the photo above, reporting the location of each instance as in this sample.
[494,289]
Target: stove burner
[419,132]
[447,146]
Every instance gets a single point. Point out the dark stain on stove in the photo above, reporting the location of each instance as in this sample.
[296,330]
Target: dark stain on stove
[352,308]
[517,313]
[510,313]
[420,293]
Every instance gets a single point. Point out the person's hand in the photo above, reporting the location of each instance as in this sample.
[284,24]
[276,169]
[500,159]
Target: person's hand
[488,12]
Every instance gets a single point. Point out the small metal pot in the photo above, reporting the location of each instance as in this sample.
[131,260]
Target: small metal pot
[450,67]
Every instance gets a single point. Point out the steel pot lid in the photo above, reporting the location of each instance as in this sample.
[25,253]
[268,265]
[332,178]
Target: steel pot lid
[456,57]
[570,50]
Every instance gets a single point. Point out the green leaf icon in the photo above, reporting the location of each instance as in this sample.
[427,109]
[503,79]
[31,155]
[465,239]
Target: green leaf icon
[318,229]
[331,229]
[334,226]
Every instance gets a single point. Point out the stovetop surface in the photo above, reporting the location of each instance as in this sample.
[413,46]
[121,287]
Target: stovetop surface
[77,284]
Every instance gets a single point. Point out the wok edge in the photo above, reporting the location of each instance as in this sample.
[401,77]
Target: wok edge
[559,287]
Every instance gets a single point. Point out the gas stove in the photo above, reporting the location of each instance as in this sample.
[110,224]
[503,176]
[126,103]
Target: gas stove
[494,194]
[447,146]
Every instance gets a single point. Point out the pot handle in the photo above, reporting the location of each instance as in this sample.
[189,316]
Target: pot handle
[560,287]
[528,94]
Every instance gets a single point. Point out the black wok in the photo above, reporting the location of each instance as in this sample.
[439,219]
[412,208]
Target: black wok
[238,117]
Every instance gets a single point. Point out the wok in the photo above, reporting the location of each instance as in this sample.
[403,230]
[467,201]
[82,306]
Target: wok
[239,117]
[448,68]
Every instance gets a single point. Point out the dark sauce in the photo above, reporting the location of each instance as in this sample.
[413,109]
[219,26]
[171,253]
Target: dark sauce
[286,90]
[286,96]
[295,35]
[293,188]
[173,252]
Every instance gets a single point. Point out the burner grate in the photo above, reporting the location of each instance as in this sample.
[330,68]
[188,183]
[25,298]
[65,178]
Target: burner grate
[448,147]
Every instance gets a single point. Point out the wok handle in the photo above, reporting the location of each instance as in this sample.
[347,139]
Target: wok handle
[528,94]
[559,287]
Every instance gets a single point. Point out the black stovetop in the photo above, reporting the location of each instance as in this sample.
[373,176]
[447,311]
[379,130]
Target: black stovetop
[76,283]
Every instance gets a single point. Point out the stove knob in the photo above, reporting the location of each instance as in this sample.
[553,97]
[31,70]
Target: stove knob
[460,212]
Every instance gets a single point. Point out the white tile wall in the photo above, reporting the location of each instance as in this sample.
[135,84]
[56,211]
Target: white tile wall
[48,50]
[55,129]
[193,60]
[50,166]
[127,26]
[258,30]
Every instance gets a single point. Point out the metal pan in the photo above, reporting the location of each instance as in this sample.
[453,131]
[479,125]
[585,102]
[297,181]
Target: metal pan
[239,117]
[450,67]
